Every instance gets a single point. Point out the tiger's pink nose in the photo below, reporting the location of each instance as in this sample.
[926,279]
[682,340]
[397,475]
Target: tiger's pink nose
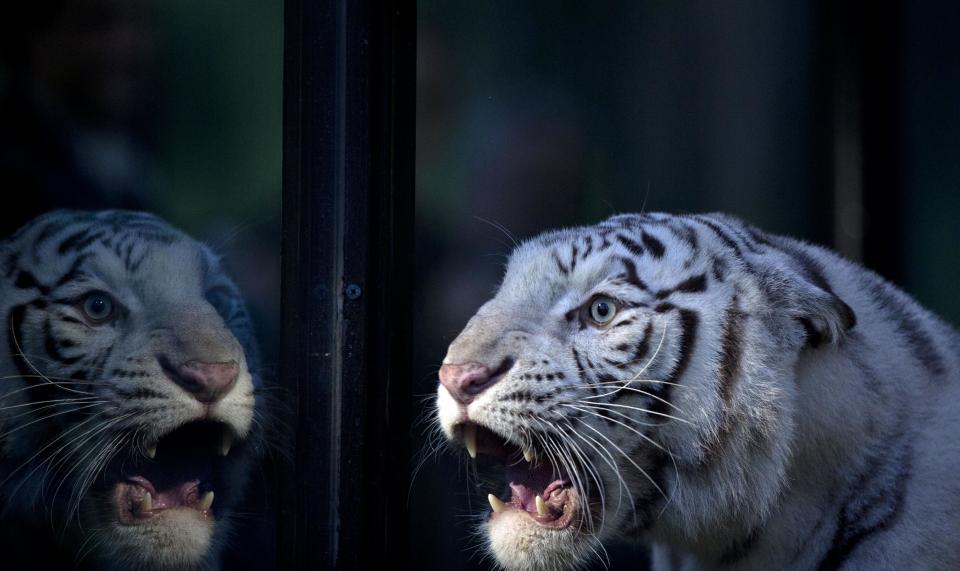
[207,382]
[466,381]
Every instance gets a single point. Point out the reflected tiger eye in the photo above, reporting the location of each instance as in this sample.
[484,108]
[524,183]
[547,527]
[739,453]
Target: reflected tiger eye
[98,307]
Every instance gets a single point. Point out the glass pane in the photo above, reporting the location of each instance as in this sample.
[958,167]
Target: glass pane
[172,108]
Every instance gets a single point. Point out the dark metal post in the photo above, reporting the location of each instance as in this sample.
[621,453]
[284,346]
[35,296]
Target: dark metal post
[860,61]
[349,106]
[884,234]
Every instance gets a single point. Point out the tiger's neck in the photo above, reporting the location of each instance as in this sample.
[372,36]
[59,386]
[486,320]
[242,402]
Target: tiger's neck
[744,509]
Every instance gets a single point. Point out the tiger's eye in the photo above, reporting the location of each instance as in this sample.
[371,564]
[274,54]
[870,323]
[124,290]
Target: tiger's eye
[98,307]
[602,310]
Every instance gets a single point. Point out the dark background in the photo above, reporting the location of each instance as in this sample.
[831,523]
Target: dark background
[836,122]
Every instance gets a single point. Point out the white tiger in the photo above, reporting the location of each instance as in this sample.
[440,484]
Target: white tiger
[739,400]
[127,404]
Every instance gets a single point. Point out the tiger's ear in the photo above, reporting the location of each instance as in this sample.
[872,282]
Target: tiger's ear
[800,290]
[824,316]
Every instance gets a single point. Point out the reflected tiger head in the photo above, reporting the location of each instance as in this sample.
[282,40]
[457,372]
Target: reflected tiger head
[129,406]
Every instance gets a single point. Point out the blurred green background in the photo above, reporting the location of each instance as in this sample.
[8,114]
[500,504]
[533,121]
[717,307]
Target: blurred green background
[220,124]
[835,122]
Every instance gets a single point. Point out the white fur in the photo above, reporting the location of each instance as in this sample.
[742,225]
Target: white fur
[834,443]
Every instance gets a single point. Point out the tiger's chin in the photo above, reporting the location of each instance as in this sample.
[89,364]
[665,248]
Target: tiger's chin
[525,540]
[539,521]
[170,529]
[174,538]
[157,510]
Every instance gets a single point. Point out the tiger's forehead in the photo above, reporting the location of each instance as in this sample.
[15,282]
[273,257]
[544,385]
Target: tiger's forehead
[649,252]
[117,249]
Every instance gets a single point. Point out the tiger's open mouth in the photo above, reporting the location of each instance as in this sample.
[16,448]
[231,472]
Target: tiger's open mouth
[181,471]
[534,486]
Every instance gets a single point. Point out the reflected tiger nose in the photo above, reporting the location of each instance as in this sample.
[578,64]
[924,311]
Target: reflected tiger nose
[465,381]
[207,382]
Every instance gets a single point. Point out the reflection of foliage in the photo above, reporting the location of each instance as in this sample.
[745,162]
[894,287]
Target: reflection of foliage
[219,130]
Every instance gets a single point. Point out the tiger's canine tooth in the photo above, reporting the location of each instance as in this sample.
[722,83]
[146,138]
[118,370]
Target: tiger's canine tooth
[528,455]
[470,439]
[226,441]
[206,501]
[541,506]
[146,503]
[496,503]
[151,450]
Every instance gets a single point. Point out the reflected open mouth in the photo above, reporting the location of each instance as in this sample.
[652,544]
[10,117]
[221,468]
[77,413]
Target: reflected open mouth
[180,471]
[532,484]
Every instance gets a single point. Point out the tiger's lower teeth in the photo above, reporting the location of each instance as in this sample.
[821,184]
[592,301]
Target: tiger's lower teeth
[541,506]
[499,506]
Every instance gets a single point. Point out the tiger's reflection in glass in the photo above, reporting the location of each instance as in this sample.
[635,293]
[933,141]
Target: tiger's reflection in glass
[129,417]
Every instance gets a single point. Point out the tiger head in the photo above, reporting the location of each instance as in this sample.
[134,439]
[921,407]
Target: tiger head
[629,377]
[128,402]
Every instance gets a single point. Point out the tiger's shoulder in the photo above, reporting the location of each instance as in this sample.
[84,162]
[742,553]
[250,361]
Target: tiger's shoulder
[876,397]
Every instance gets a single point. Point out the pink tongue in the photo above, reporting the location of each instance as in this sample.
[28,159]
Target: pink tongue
[180,494]
[185,494]
[524,496]
[526,482]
